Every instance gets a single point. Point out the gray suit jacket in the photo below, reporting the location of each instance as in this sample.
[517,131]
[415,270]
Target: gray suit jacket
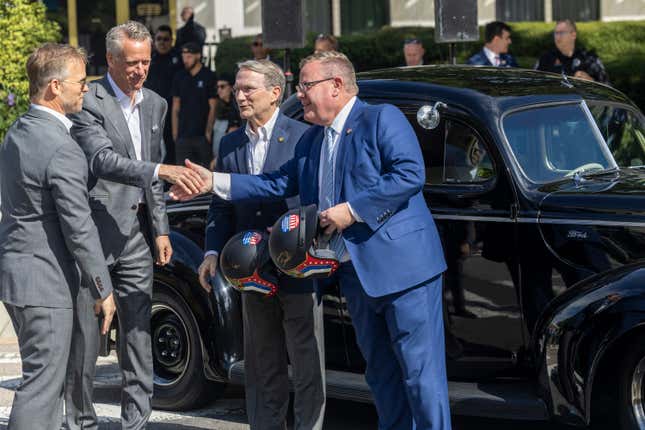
[46,221]
[102,132]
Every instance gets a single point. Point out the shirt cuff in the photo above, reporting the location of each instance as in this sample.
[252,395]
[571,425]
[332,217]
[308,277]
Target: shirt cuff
[211,252]
[354,213]
[155,175]
[222,185]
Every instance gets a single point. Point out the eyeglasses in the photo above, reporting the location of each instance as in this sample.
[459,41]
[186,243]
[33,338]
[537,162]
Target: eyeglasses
[256,43]
[82,82]
[413,40]
[560,33]
[247,91]
[303,87]
[162,39]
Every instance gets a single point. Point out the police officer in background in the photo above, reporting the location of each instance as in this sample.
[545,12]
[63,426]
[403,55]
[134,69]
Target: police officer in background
[165,63]
[573,61]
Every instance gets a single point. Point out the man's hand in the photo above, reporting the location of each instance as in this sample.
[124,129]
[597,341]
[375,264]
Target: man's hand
[207,268]
[108,307]
[336,218]
[583,75]
[183,178]
[164,250]
[206,178]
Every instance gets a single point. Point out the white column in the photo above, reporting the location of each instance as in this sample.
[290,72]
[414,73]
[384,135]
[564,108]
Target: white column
[335,17]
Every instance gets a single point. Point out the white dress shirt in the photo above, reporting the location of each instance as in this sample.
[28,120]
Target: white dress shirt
[492,57]
[131,113]
[258,146]
[62,118]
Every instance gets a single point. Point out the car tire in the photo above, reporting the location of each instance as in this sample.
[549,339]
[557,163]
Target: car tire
[179,381]
[631,389]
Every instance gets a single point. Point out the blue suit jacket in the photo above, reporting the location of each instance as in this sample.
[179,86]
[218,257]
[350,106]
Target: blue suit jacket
[380,172]
[480,59]
[226,219]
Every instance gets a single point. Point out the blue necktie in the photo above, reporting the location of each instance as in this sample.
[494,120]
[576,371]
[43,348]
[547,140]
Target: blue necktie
[327,186]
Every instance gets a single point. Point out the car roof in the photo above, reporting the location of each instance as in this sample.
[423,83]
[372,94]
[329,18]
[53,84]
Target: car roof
[473,86]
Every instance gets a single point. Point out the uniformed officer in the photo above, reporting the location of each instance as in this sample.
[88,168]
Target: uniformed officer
[573,61]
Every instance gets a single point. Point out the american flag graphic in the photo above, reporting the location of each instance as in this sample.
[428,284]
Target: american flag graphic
[251,238]
[290,222]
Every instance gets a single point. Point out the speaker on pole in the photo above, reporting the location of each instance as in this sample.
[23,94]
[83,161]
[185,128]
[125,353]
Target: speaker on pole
[282,23]
[455,21]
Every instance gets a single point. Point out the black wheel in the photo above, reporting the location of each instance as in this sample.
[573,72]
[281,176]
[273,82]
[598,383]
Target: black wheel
[631,396]
[179,381]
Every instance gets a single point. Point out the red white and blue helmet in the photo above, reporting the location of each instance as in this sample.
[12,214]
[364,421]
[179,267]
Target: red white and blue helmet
[246,264]
[297,246]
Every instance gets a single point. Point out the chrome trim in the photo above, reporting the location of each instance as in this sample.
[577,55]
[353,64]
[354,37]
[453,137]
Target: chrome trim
[636,394]
[591,222]
[156,308]
[525,220]
[473,218]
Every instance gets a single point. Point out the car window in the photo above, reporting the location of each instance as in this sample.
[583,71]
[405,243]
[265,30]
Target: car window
[624,132]
[467,159]
[553,142]
[431,148]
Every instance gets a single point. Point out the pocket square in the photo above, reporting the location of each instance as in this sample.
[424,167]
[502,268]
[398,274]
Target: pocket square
[155,128]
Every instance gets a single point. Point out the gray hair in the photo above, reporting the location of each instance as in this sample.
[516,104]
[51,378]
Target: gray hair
[132,30]
[335,64]
[51,61]
[273,75]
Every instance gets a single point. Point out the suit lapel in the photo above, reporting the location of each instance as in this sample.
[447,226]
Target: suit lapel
[114,114]
[344,147]
[240,154]
[310,176]
[279,136]
[145,124]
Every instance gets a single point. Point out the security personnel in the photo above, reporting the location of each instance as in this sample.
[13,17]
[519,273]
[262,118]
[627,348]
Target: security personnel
[165,63]
[573,61]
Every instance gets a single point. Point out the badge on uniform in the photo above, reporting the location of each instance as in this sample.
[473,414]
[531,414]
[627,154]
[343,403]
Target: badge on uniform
[175,60]
[200,84]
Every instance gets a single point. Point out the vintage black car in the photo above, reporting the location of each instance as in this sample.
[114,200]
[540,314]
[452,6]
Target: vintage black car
[537,185]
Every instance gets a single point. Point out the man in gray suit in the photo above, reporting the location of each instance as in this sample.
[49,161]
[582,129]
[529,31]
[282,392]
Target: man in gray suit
[120,129]
[46,230]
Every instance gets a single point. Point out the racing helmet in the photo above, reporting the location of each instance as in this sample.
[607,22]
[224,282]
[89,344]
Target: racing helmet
[245,263]
[298,247]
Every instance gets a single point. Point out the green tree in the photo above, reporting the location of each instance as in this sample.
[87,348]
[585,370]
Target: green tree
[23,27]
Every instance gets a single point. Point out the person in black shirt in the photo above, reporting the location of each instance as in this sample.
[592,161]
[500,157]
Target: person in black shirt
[164,64]
[193,107]
[191,31]
[227,114]
[573,61]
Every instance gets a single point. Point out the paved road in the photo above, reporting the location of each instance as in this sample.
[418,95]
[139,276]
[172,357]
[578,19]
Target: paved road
[226,413]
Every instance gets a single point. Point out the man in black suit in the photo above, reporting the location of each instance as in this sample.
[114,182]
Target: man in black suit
[292,320]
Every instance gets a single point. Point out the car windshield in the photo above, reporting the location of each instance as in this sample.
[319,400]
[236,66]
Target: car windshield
[554,142]
[624,131]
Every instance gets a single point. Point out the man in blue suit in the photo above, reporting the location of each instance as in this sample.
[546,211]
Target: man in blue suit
[291,320]
[495,51]
[363,166]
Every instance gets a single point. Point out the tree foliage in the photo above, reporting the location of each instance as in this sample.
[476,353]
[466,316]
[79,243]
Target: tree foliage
[23,27]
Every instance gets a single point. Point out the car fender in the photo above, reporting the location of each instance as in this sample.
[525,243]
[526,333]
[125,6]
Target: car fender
[217,314]
[575,332]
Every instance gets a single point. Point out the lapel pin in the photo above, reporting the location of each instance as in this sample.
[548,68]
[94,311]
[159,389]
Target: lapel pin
[349,130]
[280,139]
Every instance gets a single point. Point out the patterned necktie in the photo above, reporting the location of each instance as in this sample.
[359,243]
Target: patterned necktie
[497,60]
[327,186]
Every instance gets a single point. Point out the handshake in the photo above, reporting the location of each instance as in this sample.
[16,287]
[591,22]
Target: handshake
[189,181]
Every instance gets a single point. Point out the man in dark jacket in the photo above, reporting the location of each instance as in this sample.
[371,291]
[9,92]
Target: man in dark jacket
[568,59]
[191,31]
[495,51]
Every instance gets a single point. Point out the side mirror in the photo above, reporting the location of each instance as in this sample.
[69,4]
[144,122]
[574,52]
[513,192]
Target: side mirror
[428,117]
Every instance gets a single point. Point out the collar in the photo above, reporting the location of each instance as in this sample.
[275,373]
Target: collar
[339,122]
[123,98]
[491,55]
[266,130]
[62,118]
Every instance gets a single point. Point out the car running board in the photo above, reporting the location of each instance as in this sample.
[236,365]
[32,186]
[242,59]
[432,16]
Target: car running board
[512,399]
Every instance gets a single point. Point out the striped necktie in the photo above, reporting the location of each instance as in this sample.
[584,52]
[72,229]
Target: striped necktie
[327,191]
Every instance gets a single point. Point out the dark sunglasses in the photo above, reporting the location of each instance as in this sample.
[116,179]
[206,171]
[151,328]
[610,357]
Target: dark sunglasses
[222,85]
[257,44]
[413,40]
[162,39]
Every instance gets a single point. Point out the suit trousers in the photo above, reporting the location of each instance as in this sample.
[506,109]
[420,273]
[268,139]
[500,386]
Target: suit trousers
[288,324]
[402,340]
[44,336]
[196,149]
[131,277]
